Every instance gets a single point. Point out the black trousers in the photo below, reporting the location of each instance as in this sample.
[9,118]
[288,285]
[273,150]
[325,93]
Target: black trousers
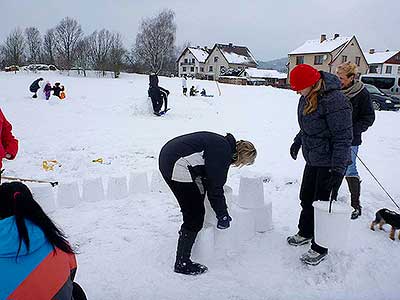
[191,201]
[314,186]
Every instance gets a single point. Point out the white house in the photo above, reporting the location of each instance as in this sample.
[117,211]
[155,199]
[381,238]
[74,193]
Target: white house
[191,61]
[383,62]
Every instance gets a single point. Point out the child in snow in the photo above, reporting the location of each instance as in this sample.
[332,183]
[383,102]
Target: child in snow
[58,89]
[158,95]
[193,91]
[195,164]
[325,136]
[34,87]
[47,90]
[184,85]
[8,143]
[36,260]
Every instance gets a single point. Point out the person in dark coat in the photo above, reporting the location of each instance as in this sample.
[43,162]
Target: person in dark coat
[363,117]
[324,116]
[195,164]
[193,91]
[35,87]
[36,260]
[158,95]
[57,89]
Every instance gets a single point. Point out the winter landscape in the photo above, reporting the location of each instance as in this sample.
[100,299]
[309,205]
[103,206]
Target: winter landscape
[127,246]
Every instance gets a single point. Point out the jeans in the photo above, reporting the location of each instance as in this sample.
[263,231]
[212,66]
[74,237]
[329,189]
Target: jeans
[352,169]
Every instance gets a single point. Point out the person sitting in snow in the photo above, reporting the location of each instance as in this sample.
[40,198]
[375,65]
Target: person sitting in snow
[193,91]
[36,260]
[193,165]
[158,95]
[8,143]
[47,90]
[57,89]
[34,87]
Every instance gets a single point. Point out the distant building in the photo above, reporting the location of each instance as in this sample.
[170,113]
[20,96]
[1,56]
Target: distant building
[264,77]
[325,54]
[191,61]
[383,62]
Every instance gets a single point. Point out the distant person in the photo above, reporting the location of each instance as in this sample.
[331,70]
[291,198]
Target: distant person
[158,95]
[184,85]
[8,143]
[193,91]
[47,90]
[58,89]
[193,165]
[36,260]
[203,92]
[324,117]
[363,117]
[34,87]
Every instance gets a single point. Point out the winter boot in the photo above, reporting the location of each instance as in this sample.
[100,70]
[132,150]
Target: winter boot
[354,187]
[183,264]
[297,240]
[312,257]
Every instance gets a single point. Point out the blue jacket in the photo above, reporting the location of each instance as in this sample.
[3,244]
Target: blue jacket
[326,134]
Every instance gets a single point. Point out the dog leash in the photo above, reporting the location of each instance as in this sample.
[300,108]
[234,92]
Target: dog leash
[373,176]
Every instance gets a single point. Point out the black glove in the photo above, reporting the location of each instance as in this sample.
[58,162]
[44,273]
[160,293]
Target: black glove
[334,183]
[294,150]
[223,222]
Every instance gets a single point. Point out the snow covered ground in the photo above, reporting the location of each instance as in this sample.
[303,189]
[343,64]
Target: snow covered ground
[127,246]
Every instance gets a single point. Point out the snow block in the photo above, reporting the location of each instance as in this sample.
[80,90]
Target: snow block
[93,190]
[331,228]
[263,217]
[44,195]
[117,188]
[251,192]
[224,239]
[203,248]
[243,224]
[68,195]
[158,184]
[138,183]
[210,217]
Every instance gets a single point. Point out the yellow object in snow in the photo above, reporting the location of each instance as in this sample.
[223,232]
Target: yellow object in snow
[100,160]
[48,165]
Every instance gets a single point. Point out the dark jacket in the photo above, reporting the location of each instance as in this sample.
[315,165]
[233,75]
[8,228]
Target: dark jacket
[57,90]
[326,134]
[35,85]
[201,154]
[363,114]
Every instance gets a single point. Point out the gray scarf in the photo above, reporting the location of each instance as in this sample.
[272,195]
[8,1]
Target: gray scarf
[353,90]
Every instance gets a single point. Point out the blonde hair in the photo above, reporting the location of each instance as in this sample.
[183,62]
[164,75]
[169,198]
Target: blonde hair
[348,68]
[312,97]
[245,154]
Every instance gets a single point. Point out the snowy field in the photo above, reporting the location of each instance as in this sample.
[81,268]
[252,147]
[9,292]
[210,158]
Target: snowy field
[127,247]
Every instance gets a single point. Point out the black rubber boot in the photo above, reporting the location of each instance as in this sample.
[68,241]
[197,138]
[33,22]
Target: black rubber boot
[183,264]
[354,187]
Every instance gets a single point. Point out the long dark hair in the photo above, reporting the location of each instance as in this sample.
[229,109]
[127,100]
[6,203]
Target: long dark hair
[16,200]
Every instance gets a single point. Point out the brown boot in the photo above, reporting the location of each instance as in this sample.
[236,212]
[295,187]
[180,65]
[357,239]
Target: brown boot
[354,187]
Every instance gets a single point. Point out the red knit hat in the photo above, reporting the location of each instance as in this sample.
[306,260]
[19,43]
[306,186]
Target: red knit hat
[303,76]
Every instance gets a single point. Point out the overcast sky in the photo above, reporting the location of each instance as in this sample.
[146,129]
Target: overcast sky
[270,29]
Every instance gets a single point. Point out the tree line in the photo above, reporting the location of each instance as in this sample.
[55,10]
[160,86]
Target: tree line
[67,47]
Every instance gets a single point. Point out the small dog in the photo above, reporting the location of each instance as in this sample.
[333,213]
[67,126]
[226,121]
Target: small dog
[386,216]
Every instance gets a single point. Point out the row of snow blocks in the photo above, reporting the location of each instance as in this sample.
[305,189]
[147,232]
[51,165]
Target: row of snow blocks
[93,190]
[68,195]
[138,183]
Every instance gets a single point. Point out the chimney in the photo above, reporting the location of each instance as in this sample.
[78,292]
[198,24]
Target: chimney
[198,47]
[336,35]
[323,37]
[206,48]
[387,50]
[230,45]
[371,51]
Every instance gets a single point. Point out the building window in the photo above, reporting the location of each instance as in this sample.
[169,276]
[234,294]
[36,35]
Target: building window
[358,59]
[318,59]
[222,69]
[202,69]
[192,69]
[344,58]
[216,59]
[210,68]
[373,69]
[186,61]
[388,70]
[193,60]
[299,60]
[398,70]
[183,69]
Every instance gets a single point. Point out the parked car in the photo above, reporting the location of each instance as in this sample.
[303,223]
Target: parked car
[382,101]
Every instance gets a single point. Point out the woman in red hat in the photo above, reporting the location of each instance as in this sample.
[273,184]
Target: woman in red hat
[325,136]
[8,143]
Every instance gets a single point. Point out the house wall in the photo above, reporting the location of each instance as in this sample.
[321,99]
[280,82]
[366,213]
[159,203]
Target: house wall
[216,66]
[192,69]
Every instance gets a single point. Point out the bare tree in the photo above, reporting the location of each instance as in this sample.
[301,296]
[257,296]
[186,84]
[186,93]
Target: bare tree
[68,33]
[117,54]
[14,48]
[34,45]
[100,43]
[155,39]
[48,50]
[82,55]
